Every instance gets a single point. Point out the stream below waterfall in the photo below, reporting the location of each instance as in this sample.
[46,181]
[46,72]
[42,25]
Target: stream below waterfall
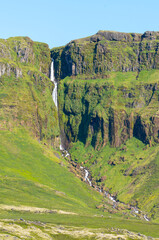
[86,173]
[134,210]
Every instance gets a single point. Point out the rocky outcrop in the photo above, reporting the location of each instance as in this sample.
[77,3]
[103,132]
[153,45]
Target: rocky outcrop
[119,36]
[10,69]
[24,51]
[107,51]
[150,35]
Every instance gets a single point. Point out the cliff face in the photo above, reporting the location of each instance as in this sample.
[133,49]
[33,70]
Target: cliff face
[105,52]
[113,83]
[99,112]
[109,112]
[25,89]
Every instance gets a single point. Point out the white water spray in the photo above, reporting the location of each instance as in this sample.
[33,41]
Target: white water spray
[86,178]
[52,77]
[146,218]
[54,97]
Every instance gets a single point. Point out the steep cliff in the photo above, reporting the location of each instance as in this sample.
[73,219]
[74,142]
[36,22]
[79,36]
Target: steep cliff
[25,89]
[109,111]
[116,84]
[107,51]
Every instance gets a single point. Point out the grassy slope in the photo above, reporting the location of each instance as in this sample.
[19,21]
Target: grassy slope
[131,174]
[31,175]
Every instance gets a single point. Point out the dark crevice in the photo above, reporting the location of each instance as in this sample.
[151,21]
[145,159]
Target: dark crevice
[84,125]
[139,131]
[96,127]
[153,92]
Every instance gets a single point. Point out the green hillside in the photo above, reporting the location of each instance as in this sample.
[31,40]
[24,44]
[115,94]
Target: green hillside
[130,173]
[32,175]
[37,187]
[25,89]
[109,120]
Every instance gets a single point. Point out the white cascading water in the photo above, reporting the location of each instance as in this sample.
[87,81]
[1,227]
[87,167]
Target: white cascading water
[54,97]
[52,77]
[86,176]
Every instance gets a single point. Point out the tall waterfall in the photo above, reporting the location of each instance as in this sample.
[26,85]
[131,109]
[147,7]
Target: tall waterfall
[52,77]
[54,96]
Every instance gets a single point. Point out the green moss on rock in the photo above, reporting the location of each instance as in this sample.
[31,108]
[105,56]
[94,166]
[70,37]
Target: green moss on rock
[24,72]
[111,110]
[107,51]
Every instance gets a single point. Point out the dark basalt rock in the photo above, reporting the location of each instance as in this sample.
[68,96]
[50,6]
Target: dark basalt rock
[150,35]
[115,36]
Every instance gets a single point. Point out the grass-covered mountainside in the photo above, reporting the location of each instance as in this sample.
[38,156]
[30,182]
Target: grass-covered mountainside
[108,106]
[109,121]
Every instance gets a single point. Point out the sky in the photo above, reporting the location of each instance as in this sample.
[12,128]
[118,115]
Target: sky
[57,22]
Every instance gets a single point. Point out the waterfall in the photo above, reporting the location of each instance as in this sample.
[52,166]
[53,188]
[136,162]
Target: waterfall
[65,153]
[52,77]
